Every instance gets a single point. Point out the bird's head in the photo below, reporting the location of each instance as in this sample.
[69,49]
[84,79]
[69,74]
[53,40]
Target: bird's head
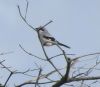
[40,29]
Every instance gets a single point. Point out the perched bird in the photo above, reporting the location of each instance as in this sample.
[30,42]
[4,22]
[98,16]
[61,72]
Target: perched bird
[47,39]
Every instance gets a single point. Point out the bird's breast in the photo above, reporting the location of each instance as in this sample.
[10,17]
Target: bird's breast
[48,44]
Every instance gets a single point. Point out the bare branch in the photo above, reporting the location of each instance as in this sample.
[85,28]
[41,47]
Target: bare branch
[26,8]
[1,63]
[38,77]
[47,23]
[31,53]
[30,82]
[11,73]
[25,19]
[91,54]
[6,53]
[59,55]
[83,78]
[65,78]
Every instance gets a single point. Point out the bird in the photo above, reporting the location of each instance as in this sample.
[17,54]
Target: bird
[47,39]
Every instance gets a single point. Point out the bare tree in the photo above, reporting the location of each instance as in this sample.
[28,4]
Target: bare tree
[73,75]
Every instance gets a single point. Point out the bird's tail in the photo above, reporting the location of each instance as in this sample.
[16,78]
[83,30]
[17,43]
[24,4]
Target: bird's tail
[63,45]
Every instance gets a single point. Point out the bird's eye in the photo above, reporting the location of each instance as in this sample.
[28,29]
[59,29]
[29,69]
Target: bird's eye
[41,30]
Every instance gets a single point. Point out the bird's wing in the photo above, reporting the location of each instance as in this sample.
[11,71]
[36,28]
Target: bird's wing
[49,38]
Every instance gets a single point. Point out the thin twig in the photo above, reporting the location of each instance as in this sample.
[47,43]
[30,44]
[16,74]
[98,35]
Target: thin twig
[91,54]
[92,68]
[5,66]
[59,55]
[11,73]
[26,8]
[29,82]
[25,19]
[38,77]
[47,23]
[6,53]
[84,78]
[31,53]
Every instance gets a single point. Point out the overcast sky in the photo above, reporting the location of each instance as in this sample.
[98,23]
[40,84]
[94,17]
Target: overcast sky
[75,23]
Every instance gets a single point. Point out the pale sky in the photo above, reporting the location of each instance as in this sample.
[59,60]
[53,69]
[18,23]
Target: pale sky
[75,23]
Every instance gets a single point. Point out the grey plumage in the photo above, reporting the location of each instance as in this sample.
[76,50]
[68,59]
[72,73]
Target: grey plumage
[47,39]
